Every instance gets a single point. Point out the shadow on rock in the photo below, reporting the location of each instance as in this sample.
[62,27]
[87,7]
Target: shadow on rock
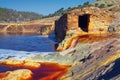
[113,73]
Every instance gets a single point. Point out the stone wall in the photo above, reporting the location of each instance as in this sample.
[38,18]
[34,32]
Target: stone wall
[72,21]
[79,22]
[88,20]
[98,19]
[60,28]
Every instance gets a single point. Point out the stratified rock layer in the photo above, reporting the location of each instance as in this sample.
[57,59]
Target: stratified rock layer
[43,26]
[95,60]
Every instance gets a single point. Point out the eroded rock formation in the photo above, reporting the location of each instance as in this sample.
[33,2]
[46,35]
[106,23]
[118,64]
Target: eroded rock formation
[23,74]
[26,29]
[96,56]
[43,26]
[83,21]
[98,60]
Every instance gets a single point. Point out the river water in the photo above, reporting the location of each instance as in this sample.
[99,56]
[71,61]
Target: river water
[22,46]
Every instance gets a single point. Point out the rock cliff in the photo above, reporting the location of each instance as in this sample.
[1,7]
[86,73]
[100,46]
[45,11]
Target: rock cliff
[43,26]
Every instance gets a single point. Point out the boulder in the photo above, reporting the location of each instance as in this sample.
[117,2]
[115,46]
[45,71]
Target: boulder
[22,74]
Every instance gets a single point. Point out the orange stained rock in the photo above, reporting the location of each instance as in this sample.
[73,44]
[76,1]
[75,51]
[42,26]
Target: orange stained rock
[22,74]
[71,43]
[19,64]
[43,71]
[88,38]
[31,65]
[94,38]
[12,62]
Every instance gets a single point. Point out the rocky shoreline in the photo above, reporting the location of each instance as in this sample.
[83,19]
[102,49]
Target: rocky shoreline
[90,52]
[89,60]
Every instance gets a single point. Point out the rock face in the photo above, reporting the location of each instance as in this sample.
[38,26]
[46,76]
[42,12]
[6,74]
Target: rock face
[43,26]
[95,60]
[84,21]
[113,6]
[26,29]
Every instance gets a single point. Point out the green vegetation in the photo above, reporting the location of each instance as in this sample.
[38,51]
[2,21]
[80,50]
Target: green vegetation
[103,3]
[9,15]
[62,11]
[1,10]
[102,6]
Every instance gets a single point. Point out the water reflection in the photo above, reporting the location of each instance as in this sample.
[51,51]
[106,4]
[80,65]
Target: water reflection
[26,43]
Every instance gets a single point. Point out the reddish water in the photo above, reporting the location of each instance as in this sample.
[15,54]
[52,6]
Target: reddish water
[47,71]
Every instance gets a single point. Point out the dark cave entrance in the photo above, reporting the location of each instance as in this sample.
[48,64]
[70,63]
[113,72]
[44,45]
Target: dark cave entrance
[83,22]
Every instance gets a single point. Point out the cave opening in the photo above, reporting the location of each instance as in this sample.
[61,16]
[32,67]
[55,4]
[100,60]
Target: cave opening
[83,22]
